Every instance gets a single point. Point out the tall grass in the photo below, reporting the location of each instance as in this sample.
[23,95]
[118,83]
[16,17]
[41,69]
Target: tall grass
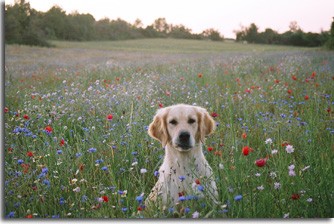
[248,92]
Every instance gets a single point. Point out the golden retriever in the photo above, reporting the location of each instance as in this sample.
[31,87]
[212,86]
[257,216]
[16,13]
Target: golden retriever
[182,129]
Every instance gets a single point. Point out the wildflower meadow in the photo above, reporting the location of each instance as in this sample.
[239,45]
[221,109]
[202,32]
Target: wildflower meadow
[76,121]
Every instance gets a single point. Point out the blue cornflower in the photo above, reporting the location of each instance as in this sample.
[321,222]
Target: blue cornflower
[124,209]
[45,170]
[139,199]
[223,211]
[171,209]
[55,216]
[111,188]
[10,215]
[46,182]
[78,154]
[120,192]
[156,173]
[59,151]
[84,198]
[98,161]
[189,197]
[134,153]
[104,168]
[182,178]
[201,187]
[238,197]
[182,198]
[20,161]
[187,210]
[91,150]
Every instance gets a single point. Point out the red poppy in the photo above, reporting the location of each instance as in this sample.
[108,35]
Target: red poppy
[237,80]
[26,117]
[210,149]
[214,115]
[48,129]
[139,208]
[10,149]
[245,150]
[197,182]
[6,110]
[30,154]
[294,77]
[29,217]
[306,97]
[181,79]
[295,196]
[109,117]
[200,75]
[139,68]
[167,93]
[105,198]
[96,206]
[328,110]
[62,142]
[160,105]
[181,193]
[289,91]
[260,162]
[244,135]
[81,167]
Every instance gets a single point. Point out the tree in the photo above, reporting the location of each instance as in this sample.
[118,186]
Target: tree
[294,27]
[252,34]
[138,23]
[330,43]
[54,23]
[161,25]
[212,34]
[22,25]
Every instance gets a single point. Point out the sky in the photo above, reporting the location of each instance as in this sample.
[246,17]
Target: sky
[222,15]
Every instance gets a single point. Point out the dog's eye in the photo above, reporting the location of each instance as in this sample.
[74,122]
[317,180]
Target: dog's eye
[173,122]
[191,121]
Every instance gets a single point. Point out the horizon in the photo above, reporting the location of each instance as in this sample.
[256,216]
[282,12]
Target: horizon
[310,16]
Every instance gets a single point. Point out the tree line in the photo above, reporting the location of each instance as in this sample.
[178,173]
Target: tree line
[25,25]
[295,36]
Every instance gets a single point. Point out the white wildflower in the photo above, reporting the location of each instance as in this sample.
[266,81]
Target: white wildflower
[292,173]
[77,189]
[274,151]
[292,167]
[277,185]
[305,168]
[289,149]
[268,141]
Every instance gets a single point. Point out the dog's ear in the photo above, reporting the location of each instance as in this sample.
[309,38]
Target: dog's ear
[206,125]
[158,129]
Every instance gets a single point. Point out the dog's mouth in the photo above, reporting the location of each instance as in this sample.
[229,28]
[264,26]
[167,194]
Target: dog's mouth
[184,147]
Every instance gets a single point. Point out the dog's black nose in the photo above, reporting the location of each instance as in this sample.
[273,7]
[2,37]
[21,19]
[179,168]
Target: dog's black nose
[184,137]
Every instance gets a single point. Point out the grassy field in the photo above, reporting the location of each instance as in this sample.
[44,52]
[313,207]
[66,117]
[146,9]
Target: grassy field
[178,46]
[65,159]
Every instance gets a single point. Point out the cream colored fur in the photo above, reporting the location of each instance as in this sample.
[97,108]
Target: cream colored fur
[189,163]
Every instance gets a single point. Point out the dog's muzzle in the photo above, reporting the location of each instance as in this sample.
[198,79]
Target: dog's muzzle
[184,141]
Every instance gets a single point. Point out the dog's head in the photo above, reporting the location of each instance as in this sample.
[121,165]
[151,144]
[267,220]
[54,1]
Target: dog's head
[182,126]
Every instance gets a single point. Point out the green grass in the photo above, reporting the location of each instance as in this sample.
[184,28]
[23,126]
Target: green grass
[73,88]
[175,46]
